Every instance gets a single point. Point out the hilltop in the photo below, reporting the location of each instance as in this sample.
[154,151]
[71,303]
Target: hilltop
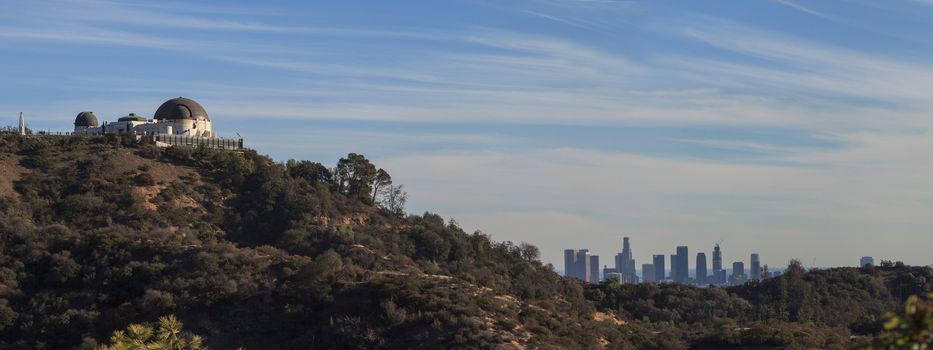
[101,232]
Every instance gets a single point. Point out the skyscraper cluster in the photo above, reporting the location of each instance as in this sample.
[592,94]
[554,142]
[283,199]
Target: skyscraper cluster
[582,265]
[625,264]
[624,269]
[679,265]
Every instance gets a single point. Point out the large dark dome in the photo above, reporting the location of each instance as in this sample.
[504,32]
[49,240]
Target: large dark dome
[180,108]
[86,119]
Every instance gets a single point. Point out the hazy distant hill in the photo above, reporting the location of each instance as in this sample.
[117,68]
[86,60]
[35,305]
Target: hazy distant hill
[98,233]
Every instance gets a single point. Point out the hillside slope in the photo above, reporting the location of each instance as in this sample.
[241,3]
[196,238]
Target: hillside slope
[97,233]
[103,232]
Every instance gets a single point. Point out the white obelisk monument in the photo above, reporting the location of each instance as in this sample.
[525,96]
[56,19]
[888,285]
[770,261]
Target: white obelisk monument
[22,124]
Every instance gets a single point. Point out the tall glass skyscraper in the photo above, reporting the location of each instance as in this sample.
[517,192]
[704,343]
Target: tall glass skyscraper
[593,266]
[674,266]
[625,264]
[738,273]
[681,273]
[701,269]
[570,260]
[659,270]
[582,267]
[647,273]
[755,272]
[718,273]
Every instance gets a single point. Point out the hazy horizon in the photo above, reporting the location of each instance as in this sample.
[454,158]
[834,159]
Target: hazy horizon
[792,129]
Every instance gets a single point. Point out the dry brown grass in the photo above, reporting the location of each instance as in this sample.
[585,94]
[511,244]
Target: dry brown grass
[10,172]
[605,317]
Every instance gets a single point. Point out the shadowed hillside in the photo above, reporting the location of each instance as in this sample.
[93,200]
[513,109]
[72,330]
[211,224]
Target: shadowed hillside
[98,233]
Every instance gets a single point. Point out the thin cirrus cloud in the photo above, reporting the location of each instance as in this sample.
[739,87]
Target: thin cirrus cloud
[809,67]
[529,65]
[802,8]
[751,129]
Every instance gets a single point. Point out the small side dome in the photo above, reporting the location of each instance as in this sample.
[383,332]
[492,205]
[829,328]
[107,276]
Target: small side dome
[132,117]
[86,119]
[180,108]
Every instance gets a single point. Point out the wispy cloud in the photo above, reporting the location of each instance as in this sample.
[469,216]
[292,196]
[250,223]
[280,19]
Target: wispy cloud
[802,8]
[556,19]
[741,145]
[796,66]
[528,78]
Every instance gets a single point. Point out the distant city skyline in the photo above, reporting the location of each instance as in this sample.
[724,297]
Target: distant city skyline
[584,265]
[727,259]
[792,128]
[656,269]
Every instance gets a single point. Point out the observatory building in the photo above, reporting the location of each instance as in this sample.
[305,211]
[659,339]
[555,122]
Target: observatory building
[178,116]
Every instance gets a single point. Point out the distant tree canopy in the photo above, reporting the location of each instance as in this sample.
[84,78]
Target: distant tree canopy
[844,301]
[311,171]
[355,176]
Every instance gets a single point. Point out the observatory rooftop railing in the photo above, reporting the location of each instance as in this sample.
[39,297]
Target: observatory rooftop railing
[192,141]
[162,140]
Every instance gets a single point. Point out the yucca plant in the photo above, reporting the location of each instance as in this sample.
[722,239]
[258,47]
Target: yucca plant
[167,335]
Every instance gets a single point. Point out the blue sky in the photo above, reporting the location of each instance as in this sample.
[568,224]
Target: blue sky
[795,129]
